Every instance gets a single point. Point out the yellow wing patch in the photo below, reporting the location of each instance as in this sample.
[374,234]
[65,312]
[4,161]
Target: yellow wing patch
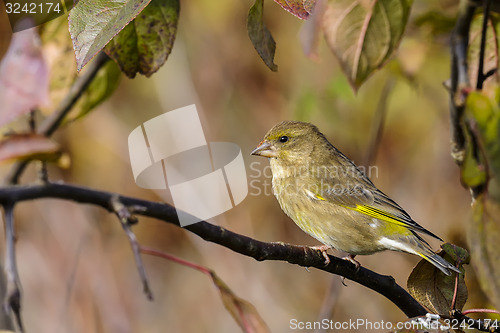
[381,215]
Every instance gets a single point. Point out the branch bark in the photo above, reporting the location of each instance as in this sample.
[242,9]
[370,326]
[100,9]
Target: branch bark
[294,254]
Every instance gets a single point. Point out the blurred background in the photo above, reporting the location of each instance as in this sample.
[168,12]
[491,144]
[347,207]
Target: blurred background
[76,266]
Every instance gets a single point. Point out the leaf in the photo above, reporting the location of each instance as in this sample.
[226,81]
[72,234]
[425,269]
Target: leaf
[58,50]
[102,86]
[300,8]
[483,112]
[145,43]
[483,235]
[92,24]
[24,77]
[28,146]
[491,57]
[57,47]
[260,36]
[243,312]
[364,34]
[434,290]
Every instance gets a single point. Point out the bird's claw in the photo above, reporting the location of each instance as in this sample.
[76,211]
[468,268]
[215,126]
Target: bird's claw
[350,258]
[323,249]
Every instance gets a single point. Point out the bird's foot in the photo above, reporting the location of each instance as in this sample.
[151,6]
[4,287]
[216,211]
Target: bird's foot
[350,258]
[323,249]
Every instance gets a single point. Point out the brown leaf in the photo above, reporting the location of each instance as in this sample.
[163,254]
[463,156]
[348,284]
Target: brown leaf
[363,34]
[483,233]
[243,312]
[260,36]
[28,146]
[299,8]
[24,77]
[433,289]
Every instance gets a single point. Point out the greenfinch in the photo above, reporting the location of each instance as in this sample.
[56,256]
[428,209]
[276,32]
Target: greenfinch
[331,199]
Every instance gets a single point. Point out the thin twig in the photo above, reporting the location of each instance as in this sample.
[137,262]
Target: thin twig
[49,126]
[127,220]
[156,253]
[480,311]
[455,293]
[13,296]
[484,325]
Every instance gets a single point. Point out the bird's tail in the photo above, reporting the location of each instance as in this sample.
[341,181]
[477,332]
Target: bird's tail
[438,261]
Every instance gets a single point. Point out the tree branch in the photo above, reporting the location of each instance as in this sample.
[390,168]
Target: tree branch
[460,83]
[299,255]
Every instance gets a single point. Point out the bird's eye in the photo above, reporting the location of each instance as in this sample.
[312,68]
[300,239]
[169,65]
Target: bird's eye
[284,139]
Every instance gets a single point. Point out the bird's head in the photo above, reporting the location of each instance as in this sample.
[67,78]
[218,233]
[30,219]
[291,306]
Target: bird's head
[290,141]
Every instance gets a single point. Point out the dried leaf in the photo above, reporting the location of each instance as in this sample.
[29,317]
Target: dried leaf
[92,24]
[145,43]
[300,8]
[364,34]
[483,235]
[243,312]
[28,146]
[24,77]
[433,289]
[260,36]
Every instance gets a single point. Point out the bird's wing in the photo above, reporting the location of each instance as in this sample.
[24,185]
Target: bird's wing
[358,193]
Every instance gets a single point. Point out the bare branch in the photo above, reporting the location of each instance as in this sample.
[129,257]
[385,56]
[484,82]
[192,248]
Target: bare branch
[460,84]
[13,295]
[127,220]
[294,254]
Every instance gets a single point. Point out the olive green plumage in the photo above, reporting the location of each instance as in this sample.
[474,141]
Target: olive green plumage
[329,198]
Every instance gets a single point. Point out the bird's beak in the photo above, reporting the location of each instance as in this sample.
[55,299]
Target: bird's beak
[265,149]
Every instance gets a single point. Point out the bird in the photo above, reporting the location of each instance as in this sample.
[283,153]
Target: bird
[331,199]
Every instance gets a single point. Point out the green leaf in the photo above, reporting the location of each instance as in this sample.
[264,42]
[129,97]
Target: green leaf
[483,112]
[92,24]
[483,235]
[433,289]
[102,86]
[144,45]
[260,36]
[363,35]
